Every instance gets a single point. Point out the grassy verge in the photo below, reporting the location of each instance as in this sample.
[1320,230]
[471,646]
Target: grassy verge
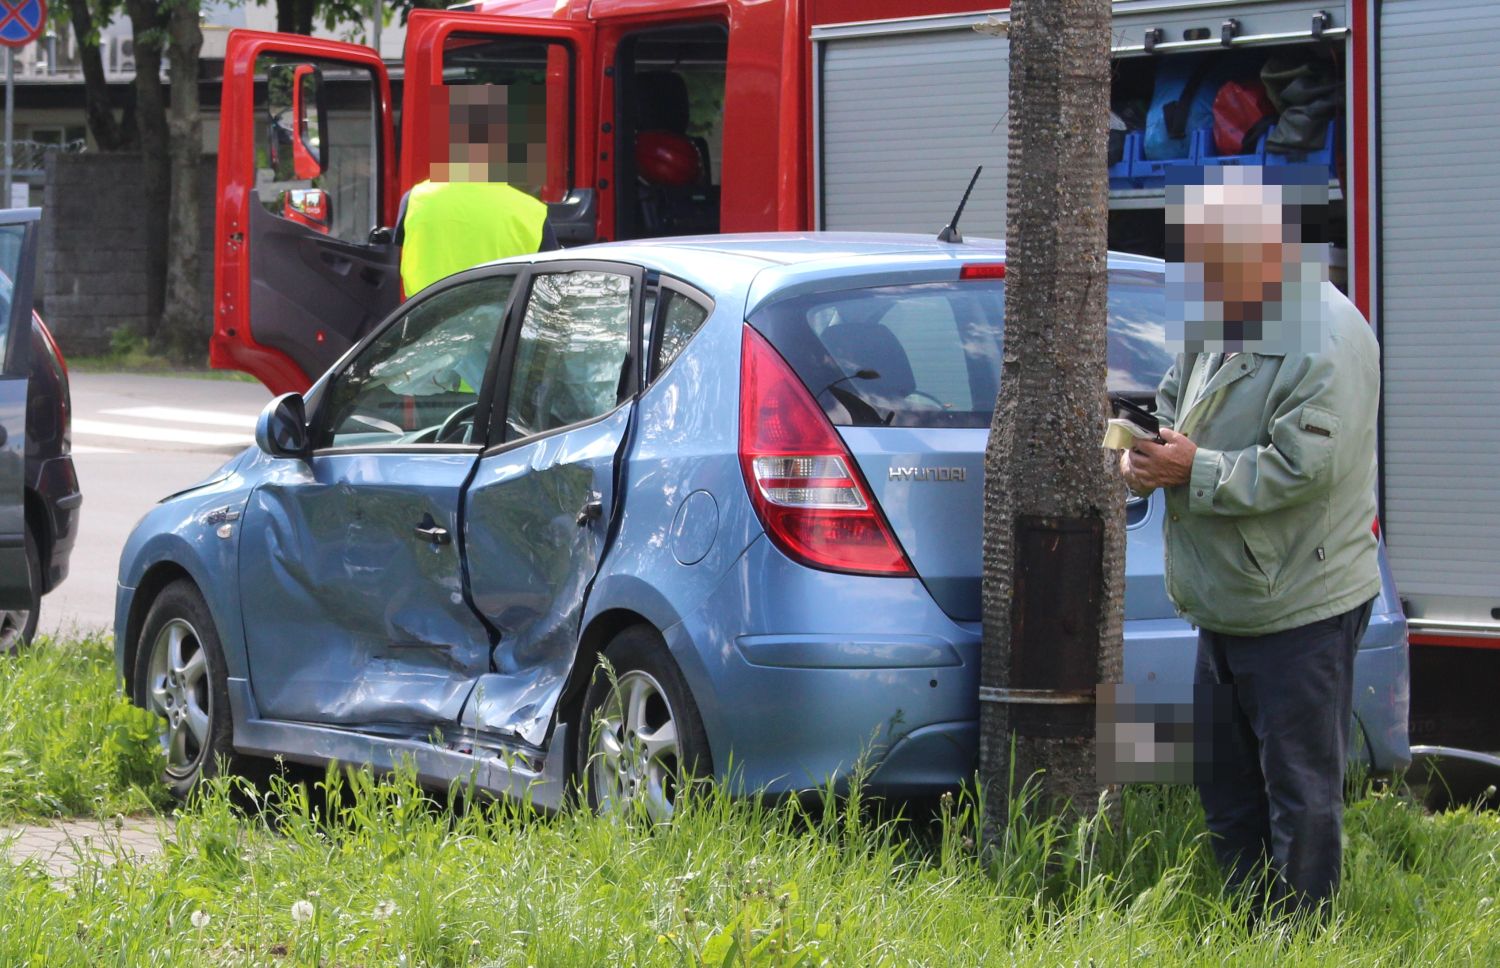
[69,744]
[363,872]
[150,366]
[129,353]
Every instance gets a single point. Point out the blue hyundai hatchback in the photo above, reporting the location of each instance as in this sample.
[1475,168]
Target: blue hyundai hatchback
[744,470]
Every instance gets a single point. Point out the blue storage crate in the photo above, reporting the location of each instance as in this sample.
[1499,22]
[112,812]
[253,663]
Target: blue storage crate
[1204,152]
[1152,172]
[1119,172]
[1327,156]
[1135,171]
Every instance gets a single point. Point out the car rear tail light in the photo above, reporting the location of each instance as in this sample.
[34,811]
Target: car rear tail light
[802,480]
[1376,526]
[982,270]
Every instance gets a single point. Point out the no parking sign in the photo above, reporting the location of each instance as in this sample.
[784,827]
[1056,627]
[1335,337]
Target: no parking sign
[21,21]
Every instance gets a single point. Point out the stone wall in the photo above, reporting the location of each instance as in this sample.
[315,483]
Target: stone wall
[91,268]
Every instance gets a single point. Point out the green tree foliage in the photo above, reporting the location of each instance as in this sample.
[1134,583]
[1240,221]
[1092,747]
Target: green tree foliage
[302,16]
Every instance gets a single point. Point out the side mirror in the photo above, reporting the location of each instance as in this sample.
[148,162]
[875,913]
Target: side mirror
[308,206]
[281,429]
[382,235]
[575,218]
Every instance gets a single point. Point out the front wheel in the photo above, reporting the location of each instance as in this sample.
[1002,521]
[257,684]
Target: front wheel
[180,676]
[642,738]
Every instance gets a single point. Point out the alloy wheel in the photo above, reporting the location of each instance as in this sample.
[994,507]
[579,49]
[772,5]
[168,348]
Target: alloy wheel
[178,687]
[634,754]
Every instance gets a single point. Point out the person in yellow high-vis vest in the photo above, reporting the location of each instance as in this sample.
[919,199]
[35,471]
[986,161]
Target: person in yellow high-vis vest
[458,218]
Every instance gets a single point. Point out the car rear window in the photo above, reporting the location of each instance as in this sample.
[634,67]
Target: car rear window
[928,355]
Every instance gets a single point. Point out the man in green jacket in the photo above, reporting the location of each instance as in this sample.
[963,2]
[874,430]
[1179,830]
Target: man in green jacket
[1268,465]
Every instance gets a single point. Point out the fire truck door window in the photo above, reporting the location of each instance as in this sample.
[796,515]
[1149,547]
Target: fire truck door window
[673,120]
[318,144]
[509,112]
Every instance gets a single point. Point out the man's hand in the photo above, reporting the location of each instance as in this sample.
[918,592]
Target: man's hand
[1148,465]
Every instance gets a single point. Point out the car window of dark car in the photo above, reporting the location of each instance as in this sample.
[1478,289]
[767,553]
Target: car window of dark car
[928,355]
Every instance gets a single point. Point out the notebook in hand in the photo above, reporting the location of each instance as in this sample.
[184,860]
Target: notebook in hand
[1134,423]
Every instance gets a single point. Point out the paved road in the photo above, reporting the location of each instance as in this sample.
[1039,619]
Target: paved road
[62,847]
[135,440]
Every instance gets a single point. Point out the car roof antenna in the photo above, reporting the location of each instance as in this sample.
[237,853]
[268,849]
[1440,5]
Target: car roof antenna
[950,231]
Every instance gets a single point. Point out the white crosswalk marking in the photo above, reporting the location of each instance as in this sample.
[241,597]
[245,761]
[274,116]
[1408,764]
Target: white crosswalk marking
[213,418]
[106,432]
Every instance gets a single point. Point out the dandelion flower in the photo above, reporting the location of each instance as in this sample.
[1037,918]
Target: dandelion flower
[200,919]
[302,911]
[384,910]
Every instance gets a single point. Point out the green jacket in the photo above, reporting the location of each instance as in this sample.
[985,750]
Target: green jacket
[1273,530]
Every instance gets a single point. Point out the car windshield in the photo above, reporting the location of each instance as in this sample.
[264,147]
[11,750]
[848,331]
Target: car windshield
[928,355]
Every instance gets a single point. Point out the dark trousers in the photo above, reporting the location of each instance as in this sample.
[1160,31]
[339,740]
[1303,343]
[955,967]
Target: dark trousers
[1276,722]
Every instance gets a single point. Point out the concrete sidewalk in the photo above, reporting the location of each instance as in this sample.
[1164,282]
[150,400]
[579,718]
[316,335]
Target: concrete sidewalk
[61,847]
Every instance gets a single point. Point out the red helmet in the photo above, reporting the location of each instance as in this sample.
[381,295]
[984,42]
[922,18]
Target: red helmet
[664,158]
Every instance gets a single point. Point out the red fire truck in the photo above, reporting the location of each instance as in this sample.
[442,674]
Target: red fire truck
[871,114]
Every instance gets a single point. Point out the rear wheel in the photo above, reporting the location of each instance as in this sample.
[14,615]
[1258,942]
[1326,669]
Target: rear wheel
[642,738]
[180,676]
[18,626]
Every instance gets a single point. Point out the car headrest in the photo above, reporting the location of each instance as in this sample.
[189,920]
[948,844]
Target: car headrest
[871,346]
[661,102]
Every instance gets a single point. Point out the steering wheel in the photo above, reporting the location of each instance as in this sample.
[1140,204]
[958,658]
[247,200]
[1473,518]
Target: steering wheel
[453,422]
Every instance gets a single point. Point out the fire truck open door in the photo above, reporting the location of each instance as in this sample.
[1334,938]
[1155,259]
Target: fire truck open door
[517,84]
[303,262]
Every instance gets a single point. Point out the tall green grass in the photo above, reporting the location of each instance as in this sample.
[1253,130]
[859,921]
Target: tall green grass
[70,745]
[363,871]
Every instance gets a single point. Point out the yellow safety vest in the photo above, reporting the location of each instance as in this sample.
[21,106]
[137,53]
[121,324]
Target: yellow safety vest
[453,226]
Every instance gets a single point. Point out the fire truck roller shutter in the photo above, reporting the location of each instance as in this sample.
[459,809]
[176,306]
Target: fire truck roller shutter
[903,120]
[1439,306]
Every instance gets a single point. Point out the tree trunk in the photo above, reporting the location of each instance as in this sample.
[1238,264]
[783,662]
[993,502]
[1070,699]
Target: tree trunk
[1054,536]
[148,26]
[110,134]
[295,16]
[184,324]
[305,10]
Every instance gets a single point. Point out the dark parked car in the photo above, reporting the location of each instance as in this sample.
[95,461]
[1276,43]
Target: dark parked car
[38,506]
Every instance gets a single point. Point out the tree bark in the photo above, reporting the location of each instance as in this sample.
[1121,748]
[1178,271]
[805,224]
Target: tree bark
[109,133]
[1054,537]
[184,325]
[148,30]
[295,16]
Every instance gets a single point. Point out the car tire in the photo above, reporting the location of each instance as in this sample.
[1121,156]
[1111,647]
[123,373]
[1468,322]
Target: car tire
[180,675]
[18,627]
[641,737]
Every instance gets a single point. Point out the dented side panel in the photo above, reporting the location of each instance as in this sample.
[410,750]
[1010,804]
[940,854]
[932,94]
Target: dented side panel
[537,519]
[352,617]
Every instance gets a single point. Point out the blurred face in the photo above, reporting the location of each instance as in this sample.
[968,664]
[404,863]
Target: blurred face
[1241,267]
[477,141]
[1240,274]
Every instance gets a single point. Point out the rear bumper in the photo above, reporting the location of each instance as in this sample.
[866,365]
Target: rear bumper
[804,677]
[1163,651]
[56,484]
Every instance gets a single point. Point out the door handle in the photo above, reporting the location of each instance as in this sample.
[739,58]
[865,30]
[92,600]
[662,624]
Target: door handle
[593,510]
[432,531]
